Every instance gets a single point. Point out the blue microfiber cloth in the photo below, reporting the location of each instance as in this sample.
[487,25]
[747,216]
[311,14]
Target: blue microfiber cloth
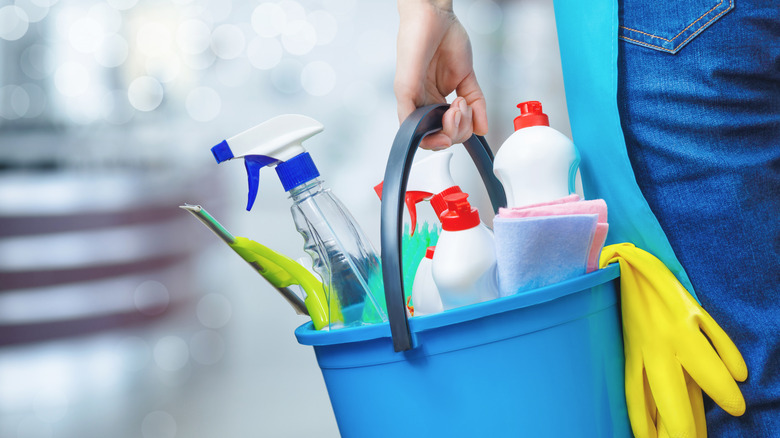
[533,252]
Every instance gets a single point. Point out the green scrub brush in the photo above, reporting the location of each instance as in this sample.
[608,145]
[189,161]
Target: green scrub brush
[413,247]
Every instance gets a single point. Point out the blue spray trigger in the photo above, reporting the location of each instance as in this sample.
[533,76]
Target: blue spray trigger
[222,151]
[253,164]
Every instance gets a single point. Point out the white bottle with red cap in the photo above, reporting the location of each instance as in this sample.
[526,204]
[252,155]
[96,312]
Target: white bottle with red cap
[425,294]
[536,163]
[464,264]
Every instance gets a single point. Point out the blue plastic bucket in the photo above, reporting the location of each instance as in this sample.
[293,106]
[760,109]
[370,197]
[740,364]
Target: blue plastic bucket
[543,363]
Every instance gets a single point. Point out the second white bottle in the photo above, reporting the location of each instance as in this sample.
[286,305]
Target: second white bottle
[464,264]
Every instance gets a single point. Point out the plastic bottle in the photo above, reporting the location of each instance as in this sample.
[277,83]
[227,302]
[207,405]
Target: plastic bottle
[341,254]
[464,265]
[424,292]
[536,163]
[429,180]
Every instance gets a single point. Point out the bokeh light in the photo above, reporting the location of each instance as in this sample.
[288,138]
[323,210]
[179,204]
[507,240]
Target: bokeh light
[122,5]
[108,17]
[85,35]
[151,298]
[19,101]
[36,62]
[44,3]
[325,25]
[227,41]
[268,20]
[145,93]
[35,12]
[203,104]
[293,10]
[318,78]
[264,53]
[193,36]
[112,52]
[171,353]
[218,10]
[14,22]
[214,311]
[299,37]
[159,424]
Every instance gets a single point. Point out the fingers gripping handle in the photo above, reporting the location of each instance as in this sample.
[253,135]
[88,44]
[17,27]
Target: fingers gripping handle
[420,123]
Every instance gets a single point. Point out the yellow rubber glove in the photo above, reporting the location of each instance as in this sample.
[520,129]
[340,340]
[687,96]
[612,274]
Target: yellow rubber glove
[697,404]
[664,340]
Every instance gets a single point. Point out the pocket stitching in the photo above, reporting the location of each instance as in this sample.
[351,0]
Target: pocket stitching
[696,32]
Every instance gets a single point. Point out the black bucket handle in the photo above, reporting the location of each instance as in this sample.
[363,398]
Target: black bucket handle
[421,122]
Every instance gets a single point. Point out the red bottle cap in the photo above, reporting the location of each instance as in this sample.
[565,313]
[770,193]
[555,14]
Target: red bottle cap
[460,215]
[429,252]
[531,115]
[437,201]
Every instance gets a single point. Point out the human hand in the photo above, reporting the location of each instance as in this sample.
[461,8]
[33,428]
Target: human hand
[434,59]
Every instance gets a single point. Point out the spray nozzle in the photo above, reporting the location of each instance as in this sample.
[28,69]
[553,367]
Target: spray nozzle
[276,142]
[429,180]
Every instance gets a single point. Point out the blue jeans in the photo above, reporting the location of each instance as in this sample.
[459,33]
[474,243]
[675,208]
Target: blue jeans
[699,103]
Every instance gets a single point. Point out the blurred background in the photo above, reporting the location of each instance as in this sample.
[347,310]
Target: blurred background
[121,315]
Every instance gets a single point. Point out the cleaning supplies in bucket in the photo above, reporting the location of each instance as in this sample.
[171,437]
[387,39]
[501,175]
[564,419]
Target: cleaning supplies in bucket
[536,163]
[464,264]
[341,254]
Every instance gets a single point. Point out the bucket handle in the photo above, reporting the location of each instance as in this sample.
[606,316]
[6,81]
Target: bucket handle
[421,122]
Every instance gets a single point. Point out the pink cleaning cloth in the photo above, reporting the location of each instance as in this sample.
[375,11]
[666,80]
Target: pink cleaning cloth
[567,206]
[571,198]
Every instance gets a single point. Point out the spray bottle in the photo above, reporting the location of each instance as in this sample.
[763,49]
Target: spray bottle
[341,254]
[536,163]
[429,180]
[424,292]
[464,264]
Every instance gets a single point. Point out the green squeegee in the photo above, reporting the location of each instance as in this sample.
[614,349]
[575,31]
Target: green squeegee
[280,270]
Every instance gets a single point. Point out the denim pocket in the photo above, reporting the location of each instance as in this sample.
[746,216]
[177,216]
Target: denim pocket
[668,25]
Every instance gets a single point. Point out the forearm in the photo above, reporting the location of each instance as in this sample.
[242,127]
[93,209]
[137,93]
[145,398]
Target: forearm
[411,5]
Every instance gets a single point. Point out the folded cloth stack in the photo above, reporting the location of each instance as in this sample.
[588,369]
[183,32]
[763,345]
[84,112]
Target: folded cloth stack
[541,244]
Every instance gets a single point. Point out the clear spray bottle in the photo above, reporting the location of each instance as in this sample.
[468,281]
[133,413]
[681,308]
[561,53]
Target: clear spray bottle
[341,254]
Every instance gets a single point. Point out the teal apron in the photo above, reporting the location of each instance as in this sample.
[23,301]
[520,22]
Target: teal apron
[588,39]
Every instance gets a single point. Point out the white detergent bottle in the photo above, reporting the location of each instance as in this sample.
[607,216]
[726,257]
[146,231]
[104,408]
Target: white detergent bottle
[464,264]
[341,254]
[425,294]
[536,163]
[429,180]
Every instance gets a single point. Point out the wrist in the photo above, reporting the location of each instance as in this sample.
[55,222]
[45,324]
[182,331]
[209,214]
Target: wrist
[442,5]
